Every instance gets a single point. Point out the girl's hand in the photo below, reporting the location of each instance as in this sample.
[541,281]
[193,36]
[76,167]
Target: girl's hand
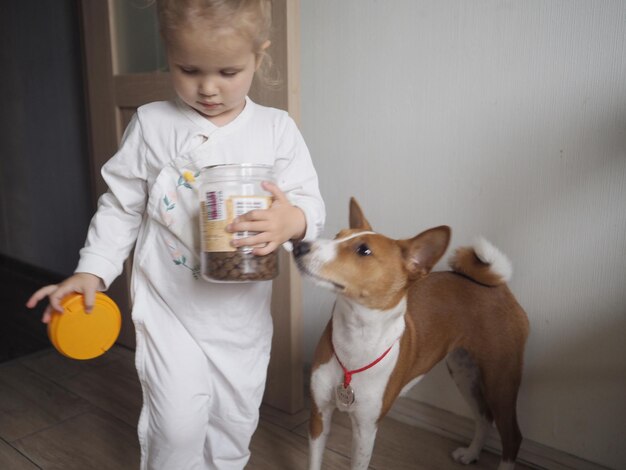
[276,225]
[83,283]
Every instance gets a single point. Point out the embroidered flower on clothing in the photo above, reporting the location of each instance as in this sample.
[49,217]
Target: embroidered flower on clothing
[169,204]
[187,178]
[180,259]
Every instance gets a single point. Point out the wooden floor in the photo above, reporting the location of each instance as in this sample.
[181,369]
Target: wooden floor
[56,413]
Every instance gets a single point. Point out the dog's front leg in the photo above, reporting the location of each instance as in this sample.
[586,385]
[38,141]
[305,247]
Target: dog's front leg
[363,436]
[319,427]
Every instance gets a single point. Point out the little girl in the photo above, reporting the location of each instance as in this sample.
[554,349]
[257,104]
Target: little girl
[202,348]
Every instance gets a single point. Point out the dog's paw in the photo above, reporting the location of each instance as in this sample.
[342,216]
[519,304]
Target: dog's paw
[465,455]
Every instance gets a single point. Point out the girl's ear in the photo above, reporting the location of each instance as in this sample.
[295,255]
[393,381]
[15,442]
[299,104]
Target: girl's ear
[260,54]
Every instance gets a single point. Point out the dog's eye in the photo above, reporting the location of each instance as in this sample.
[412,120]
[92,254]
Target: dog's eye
[363,250]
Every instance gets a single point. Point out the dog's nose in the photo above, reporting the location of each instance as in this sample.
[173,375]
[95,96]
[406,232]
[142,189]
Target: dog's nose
[301,248]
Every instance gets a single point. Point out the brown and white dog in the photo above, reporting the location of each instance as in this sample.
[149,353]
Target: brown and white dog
[394,320]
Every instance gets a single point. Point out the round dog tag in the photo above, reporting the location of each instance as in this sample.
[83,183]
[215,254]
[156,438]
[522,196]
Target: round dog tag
[345,396]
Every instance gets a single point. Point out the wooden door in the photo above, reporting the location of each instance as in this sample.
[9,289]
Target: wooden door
[114,93]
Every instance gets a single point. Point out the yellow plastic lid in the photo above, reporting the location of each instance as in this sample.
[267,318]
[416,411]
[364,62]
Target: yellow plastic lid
[81,335]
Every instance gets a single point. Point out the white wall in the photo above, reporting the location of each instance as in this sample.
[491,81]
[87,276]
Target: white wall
[500,118]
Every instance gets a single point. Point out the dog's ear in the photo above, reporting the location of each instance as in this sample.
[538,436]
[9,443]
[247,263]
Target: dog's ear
[357,219]
[422,252]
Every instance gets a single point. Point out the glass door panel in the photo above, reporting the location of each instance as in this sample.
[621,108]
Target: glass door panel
[137,47]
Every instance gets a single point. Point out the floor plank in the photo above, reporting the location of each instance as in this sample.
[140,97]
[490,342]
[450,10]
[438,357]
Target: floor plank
[55,367]
[113,387]
[11,458]
[29,403]
[285,420]
[400,446]
[403,447]
[274,448]
[93,440]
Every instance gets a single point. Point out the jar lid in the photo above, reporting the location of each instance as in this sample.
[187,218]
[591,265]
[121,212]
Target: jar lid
[81,335]
[231,172]
[242,165]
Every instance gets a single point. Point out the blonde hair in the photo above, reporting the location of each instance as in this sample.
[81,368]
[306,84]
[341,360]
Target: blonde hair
[251,19]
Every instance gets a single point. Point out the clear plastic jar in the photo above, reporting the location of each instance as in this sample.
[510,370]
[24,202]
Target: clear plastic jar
[227,192]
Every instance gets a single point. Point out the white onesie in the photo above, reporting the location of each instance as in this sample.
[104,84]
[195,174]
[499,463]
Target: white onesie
[202,348]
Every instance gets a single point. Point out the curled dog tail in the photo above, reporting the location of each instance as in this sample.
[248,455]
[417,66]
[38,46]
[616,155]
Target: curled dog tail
[483,263]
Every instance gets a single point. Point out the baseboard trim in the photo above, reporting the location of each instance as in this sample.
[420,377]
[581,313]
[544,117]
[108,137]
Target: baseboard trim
[460,428]
[29,271]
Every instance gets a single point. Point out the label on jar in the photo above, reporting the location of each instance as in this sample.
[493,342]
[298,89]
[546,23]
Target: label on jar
[218,210]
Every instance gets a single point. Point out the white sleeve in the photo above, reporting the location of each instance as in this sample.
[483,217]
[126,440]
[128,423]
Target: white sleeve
[296,176]
[114,228]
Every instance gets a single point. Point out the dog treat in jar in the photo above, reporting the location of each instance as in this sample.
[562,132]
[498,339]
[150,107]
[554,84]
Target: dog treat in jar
[229,191]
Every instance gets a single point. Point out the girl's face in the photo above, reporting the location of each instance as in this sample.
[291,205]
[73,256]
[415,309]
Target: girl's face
[211,72]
